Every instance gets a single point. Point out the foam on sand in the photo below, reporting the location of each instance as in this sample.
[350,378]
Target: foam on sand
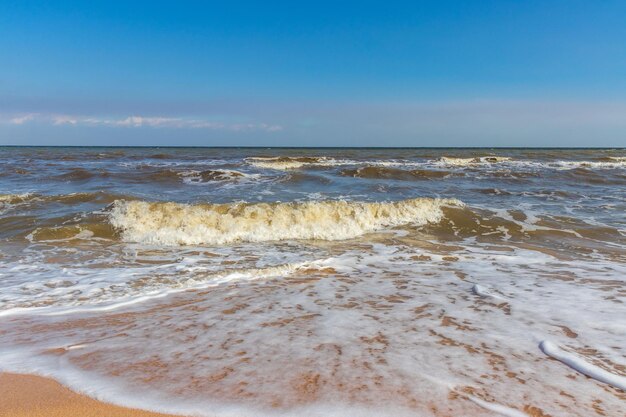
[373,326]
[107,294]
[497,408]
[183,224]
[483,292]
[582,366]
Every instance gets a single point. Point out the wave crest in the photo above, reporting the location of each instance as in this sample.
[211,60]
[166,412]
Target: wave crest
[183,224]
[453,161]
[211,175]
[286,162]
[381,172]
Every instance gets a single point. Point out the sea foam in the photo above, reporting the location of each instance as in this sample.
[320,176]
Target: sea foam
[582,366]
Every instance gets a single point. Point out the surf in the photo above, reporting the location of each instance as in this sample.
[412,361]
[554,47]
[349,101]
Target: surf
[185,224]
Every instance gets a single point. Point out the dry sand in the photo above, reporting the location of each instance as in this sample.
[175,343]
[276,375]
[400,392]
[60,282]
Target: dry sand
[34,396]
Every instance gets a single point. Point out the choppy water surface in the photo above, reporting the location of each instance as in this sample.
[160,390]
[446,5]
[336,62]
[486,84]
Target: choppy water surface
[383,282]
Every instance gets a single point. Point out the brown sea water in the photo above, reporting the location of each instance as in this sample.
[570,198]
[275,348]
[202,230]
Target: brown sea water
[382,282]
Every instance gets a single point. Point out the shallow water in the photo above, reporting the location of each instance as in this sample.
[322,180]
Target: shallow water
[319,281]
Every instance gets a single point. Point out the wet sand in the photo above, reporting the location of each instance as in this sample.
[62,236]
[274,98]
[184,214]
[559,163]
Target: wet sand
[34,396]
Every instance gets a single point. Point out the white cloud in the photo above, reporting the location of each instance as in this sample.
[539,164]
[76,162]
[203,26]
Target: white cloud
[64,120]
[20,120]
[135,122]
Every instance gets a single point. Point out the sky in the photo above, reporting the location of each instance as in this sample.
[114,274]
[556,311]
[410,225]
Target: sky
[323,73]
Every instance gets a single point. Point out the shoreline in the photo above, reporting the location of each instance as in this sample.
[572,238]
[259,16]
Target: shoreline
[26,395]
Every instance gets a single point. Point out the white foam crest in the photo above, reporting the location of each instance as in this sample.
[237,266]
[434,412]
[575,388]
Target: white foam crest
[195,177]
[582,366]
[9,201]
[617,163]
[488,162]
[217,224]
[8,198]
[289,163]
[481,160]
[275,163]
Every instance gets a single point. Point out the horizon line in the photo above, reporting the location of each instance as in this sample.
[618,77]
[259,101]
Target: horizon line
[315,147]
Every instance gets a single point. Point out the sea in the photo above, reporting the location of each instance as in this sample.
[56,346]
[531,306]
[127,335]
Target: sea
[319,281]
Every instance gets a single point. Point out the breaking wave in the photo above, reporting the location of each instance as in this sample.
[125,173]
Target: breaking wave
[295,162]
[481,160]
[612,159]
[610,162]
[181,224]
[15,198]
[287,162]
[211,175]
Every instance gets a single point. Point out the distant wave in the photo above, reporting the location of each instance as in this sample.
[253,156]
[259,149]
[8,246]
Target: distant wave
[448,162]
[480,160]
[299,177]
[15,198]
[614,159]
[211,175]
[81,174]
[288,162]
[295,162]
[153,175]
[182,224]
[610,162]
[381,172]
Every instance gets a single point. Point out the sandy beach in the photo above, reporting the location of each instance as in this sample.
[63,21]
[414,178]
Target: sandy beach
[34,396]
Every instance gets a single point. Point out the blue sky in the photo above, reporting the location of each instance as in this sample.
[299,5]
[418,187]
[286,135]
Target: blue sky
[440,73]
